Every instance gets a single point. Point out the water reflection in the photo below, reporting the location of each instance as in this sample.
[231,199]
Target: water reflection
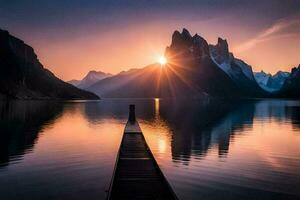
[214,124]
[192,127]
[20,125]
[199,126]
[50,151]
[157,106]
[118,109]
[207,148]
[243,148]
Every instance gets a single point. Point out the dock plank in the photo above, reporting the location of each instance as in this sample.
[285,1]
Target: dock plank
[137,175]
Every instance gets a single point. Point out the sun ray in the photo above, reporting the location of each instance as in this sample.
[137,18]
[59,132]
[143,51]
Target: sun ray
[162,60]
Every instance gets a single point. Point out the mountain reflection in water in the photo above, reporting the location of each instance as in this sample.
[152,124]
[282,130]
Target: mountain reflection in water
[206,148]
[20,123]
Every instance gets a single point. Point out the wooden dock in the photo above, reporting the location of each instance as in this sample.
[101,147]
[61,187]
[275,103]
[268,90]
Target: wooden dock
[136,174]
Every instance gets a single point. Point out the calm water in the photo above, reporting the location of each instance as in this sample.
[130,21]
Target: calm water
[207,149]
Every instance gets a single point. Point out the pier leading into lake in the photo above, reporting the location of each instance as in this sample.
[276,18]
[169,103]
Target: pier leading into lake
[136,174]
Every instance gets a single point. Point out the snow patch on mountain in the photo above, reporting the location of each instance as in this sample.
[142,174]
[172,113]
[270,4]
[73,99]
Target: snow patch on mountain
[227,62]
[247,69]
[262,78]
[269,82]
[224,66]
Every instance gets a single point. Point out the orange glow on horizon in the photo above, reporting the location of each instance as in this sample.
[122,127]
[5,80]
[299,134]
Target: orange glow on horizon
[139,46]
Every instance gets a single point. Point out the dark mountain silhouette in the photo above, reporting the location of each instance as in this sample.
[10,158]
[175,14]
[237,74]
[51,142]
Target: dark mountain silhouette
[291,86]
[191,58]
[150,81]
[24,77]
[91,78]
[240,72]
[190,71]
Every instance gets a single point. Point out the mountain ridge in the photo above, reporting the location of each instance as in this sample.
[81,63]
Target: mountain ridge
[89,79]
[24,77]
[291,86]
[239,71]
[190,69]
[190,54]
[269,82]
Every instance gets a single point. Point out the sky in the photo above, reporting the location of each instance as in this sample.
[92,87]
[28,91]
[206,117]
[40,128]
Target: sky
[72,37]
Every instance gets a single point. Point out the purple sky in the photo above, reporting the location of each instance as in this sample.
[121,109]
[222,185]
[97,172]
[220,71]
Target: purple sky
[72,37]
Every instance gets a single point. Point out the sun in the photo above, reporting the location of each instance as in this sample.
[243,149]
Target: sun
[162,60]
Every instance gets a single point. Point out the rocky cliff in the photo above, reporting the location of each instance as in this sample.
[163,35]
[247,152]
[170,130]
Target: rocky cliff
[22,76]
[291,86]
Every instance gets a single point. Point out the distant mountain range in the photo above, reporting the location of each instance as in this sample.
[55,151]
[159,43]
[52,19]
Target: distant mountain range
[194,68]
[22,76]
[189,72]
[91,78]
[269,82]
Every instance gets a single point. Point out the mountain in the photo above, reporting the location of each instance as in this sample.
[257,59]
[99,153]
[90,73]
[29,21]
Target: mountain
[240,72]
[136,83]
[22,76]
[269,82]
[148,82]
[291,86]
[91,78]
[190,56]
[262,79]
[74,82]
[190,71]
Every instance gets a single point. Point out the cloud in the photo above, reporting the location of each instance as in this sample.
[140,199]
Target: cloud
[281,28]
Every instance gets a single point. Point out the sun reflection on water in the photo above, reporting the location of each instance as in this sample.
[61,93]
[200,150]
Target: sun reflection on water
[247,150]
[156,105]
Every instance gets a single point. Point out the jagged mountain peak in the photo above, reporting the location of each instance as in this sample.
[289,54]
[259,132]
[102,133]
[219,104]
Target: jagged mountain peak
[263,72]
[198,40]
[200,46]
[291,86]
[185,37]
[281,74]
[222,43]
[191,47]
[185,33]
[181,39]
[176,34]
[269,82]
[296,71]
[236,69]
[222,47]
[221,40]
[191,71]
[197,37]
[220,52]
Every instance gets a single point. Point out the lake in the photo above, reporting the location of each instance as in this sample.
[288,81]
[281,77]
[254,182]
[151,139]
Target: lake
[207,149]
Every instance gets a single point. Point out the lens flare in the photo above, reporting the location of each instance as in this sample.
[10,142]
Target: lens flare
[162,60]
